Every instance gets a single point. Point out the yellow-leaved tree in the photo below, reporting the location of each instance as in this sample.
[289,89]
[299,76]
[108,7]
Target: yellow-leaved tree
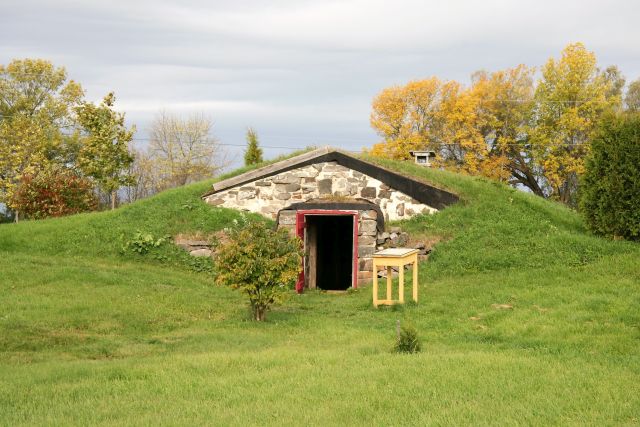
[504,103]
[569,100]
[405,117]
[36,105]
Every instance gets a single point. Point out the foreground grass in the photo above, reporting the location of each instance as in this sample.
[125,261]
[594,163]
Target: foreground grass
[89,335]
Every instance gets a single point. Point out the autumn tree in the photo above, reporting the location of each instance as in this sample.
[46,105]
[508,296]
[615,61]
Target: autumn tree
[632,98]
[253,153]
[456,122]
[406,118]
[36,115]
[570,98]
[104,154]
[183,150]
[504,125]
[503,110]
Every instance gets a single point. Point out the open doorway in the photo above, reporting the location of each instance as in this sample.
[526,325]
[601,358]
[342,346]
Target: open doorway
[330,248]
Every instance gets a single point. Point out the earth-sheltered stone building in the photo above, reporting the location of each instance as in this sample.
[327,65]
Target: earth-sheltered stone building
[336,203]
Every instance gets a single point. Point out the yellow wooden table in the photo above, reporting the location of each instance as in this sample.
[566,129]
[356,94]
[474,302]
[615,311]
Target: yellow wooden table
[395,257]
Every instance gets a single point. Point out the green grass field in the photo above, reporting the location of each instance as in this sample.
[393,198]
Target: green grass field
[91,335]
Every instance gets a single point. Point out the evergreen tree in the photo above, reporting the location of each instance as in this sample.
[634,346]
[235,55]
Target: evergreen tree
[253,154]
[610,192]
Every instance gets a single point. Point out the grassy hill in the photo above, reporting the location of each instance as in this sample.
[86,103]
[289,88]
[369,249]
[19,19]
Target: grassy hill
[90,334]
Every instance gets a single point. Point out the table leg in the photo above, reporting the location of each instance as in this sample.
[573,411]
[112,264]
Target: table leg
[415,280]
[401,284]
[375,285]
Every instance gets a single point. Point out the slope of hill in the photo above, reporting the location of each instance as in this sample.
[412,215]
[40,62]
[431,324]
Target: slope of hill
[525,318]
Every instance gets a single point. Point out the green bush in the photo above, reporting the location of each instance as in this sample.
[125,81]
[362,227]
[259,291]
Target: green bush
[610,191]
[407,340]
[141,243]
[260,262]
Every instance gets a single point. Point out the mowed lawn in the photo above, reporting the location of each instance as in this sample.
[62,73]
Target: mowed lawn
[524,318]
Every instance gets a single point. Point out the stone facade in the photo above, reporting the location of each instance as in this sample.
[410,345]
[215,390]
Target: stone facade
[329,180]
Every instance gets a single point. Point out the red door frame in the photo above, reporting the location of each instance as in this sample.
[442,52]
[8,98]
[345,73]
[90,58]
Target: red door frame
[300,226]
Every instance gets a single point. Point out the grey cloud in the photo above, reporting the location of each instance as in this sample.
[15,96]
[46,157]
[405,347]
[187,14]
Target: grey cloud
[301,72]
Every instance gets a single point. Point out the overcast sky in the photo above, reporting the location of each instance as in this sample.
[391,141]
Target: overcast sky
[300,72]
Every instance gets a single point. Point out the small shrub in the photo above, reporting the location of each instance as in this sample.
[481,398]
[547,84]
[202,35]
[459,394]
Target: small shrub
[141,243]
[407,340]
[260,262]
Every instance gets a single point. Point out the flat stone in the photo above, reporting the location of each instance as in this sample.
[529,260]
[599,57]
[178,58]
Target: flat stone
[287,218]
[283,196]
[286,179]
[262,184]
[370,214]
[402,239]
[324,186]
[268,209]
[309,172]
[280,188]
[368,226]
[201,253]
[409,211]
[419,245]
[366,240]
[308,180]
[368,192]
[365,251]
[334,168]
[384,235]
[247,193]
[357,174]
[384,187]
[215,202]
[384,194]
[400,209]
[396,230]
[365,264]
[393,236]
[292,187]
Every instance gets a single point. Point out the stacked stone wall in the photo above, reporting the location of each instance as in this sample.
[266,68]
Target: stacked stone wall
[328,180]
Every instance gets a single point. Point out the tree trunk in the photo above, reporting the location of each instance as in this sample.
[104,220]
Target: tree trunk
[259,313]
[17,215]
[113,200]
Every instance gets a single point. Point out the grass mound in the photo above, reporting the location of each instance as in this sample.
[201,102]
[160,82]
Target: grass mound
[524,318]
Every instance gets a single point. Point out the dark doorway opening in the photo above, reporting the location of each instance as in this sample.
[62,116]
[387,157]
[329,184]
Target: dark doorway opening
[330,248]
